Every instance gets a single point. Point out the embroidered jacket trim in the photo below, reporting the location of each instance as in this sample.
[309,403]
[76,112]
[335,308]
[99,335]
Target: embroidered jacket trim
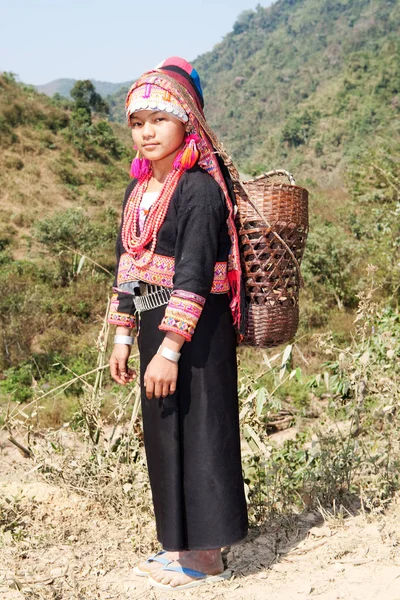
[160,270]
[119,318]
[182,313]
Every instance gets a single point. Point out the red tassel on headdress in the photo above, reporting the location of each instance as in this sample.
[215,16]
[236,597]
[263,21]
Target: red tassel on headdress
[189,155]
[140,167]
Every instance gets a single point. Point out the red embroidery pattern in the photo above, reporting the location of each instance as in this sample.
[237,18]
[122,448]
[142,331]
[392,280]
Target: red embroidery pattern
[118,318]
[160,271]
[182,314]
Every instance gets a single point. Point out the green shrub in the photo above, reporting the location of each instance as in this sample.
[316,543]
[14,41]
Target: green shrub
[7,135]
[318,149]
[66,169]
[72,228]
[330,263]
[94,141]
[17,383]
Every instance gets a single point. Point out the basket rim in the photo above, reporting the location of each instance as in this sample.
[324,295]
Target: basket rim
[276,184]
[275,173]
[263,179]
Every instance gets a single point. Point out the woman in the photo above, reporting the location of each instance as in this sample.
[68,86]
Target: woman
[179,269]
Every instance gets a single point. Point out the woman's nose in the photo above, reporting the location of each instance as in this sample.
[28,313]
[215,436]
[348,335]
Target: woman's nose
[147,130]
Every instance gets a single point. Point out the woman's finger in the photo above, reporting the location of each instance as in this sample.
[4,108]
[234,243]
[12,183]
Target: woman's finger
[122,366]
[149,389]
[158,388]
[125,372]
[131,375]
[145,379]
[114,370]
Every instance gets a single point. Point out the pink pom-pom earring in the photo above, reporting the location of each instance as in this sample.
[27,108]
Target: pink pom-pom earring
[140,167]
[188,157]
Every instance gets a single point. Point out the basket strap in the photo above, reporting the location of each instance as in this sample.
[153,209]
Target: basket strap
[219,147]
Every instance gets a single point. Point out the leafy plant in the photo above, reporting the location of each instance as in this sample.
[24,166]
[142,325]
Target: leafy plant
[330,263]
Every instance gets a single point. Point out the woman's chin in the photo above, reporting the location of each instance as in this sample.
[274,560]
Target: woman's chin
[153,155]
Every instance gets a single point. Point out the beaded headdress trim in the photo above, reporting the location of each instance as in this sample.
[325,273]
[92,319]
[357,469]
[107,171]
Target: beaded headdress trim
[150,96]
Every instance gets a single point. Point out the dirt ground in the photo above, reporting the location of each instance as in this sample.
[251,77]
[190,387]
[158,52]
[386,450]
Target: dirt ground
[64,545]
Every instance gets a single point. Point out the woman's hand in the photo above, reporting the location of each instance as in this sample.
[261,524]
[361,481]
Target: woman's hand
[119,369]
[160,377]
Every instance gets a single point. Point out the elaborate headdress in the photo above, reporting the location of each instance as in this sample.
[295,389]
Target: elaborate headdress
[156,98]
[174,87]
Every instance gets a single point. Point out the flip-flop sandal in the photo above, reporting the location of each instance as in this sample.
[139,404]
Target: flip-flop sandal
[158,558]
[200,578]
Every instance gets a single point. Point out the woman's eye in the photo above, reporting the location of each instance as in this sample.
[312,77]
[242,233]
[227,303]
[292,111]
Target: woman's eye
[135,124]
[160,119]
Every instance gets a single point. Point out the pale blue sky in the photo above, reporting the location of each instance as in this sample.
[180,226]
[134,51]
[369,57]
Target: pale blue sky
[115,40]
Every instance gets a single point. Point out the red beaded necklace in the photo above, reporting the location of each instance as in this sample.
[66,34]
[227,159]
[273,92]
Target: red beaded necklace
[134,241]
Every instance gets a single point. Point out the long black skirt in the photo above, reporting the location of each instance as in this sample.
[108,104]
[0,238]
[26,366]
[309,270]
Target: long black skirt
[192,437]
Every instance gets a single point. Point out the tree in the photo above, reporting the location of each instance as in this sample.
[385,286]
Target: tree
[87,99]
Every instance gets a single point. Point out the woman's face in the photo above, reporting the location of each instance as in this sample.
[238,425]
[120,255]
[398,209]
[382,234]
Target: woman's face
[156,134]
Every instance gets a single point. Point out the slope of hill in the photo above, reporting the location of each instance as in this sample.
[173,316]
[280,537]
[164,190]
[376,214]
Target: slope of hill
[49,160]
[63,87]
[302,83]
[61,182]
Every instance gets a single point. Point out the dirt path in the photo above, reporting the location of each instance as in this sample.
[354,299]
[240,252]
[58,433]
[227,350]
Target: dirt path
[60,545]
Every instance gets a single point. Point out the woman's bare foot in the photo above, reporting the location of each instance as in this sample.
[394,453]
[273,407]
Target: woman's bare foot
[206,561]
[153,566]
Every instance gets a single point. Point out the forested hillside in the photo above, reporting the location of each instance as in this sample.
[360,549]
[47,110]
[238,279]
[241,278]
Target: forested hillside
[303,83]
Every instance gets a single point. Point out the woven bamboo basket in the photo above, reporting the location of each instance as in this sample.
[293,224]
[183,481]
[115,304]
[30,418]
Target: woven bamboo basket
[273,228]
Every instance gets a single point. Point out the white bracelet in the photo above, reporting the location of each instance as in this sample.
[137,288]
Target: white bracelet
[169,354]
[123,339]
